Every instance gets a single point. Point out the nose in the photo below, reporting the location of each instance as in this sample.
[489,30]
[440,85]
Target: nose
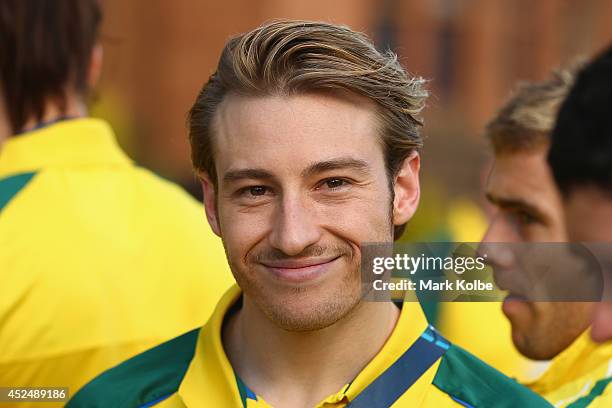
[295,226]
[496,241]
[500,230]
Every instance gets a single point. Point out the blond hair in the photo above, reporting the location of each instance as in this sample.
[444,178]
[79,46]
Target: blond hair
[525,121]
[287,57]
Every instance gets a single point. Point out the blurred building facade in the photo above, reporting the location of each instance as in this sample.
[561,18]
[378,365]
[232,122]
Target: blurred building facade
[159,53]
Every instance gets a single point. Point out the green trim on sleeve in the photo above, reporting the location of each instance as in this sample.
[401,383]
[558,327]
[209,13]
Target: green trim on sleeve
[11,186]
[596,391]
[141,380]
[471,381]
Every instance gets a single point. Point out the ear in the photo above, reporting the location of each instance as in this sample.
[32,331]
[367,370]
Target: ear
[407,189]
[210,202]
[5,126]
[95,65]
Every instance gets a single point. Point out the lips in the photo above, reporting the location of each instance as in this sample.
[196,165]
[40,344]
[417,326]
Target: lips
[508,281]
[299,270]
[515,305]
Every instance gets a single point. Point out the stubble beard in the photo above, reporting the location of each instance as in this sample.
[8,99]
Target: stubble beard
[336,304]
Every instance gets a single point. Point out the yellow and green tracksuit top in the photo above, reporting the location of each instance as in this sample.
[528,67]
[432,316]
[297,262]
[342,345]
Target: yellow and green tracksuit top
[99,259]
[415,368]
[580,376]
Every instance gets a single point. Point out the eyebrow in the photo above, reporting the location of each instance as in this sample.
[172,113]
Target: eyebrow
[236,175]
[340,163]
[314,168]
[505,202]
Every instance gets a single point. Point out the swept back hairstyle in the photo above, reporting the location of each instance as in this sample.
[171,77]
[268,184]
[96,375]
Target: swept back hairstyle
[526,120]
[45,46]
[288,57]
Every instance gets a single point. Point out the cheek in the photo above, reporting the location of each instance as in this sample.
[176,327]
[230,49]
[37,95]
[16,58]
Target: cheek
[539,233]
[585,223]
[364,219]
[574,226]
[242,231]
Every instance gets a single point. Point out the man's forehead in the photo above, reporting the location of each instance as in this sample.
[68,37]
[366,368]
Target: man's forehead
[300,129]
[294,112]
[522,176]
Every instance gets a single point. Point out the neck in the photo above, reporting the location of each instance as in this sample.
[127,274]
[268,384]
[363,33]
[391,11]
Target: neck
[302,368]
[5,130]
[74,108]
[5,127]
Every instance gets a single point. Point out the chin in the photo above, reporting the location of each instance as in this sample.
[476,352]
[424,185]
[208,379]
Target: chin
[535,342]
[533,347]
[521,319]
[307,314]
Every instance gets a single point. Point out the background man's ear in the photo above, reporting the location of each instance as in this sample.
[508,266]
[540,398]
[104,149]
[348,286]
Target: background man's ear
[210,202]
[407,189]
[95,66]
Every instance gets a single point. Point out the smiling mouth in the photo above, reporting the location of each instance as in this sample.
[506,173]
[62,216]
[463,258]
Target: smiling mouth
[299,271]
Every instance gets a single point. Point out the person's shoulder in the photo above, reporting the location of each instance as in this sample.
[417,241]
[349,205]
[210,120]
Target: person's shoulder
[11,185]
[163,195]
[473,383]
[141,380]
[154,183]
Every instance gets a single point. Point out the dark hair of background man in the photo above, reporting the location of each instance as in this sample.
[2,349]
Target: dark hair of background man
[581,151]
[45,48]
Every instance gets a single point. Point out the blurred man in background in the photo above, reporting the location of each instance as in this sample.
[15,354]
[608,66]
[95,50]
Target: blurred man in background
[99,259]
[306,140]
[529,209]
[581,161]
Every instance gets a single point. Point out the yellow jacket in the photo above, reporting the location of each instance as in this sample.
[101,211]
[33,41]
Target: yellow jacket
[579,376]
[99,259]
[193,371]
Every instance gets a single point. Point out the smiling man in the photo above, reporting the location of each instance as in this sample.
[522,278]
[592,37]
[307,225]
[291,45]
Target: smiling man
[530,210]
[306,141]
